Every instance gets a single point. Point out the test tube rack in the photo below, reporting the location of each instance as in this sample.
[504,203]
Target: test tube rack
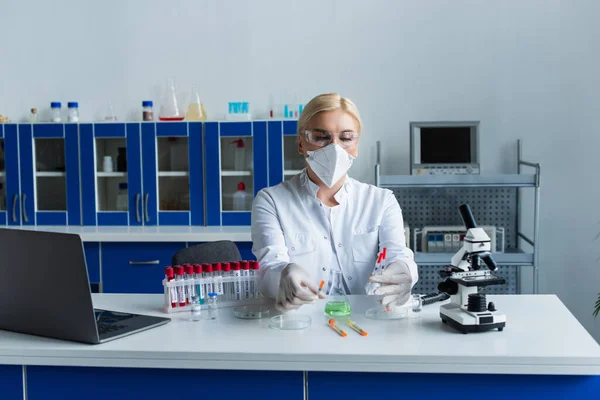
[231,291]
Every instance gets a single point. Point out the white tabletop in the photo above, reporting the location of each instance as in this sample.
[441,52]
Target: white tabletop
[149,233]
[541,337]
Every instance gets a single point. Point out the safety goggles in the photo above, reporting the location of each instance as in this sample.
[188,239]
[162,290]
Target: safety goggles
[322,138]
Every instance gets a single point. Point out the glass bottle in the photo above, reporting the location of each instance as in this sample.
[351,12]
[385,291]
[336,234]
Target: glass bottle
[147,113]
[196,309]
[195,111]
[337,300]
[55,111]
[169,109]
[213,307]
[73,107]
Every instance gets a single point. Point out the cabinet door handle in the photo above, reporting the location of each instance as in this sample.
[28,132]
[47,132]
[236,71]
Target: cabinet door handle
[23,210]
[137,207]
[146,207]
[14,216]
[154,262]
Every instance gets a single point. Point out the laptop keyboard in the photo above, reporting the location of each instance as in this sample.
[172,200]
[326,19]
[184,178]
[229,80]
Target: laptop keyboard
[104,328]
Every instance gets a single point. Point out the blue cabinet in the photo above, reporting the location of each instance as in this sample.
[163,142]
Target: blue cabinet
[49,383]
[41,175]
[284,159]
[11,382]
[236,164]
[142,173]
[136,267]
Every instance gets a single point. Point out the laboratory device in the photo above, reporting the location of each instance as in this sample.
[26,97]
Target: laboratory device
[47,273]
[290,321]
[468,310]
[445,148]
[337,301]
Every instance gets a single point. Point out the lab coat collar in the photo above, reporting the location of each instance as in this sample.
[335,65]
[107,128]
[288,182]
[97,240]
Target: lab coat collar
[313,188]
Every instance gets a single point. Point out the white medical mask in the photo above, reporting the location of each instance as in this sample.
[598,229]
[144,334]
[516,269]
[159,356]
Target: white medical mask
[330,163]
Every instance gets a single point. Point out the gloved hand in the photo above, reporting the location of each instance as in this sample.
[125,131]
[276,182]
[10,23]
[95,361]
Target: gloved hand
[396,284]
[295,289]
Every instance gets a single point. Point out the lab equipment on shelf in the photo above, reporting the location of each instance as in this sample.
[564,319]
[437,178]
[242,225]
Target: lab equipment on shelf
[55,108]
[122,198]
[337,301]
[233,287]
[169,108]
[239,157]
[195,111]
[241,199]
[238,111]
[33,115]
[449,239]
[110,115]
[107,164]
[147,111]
[73,111]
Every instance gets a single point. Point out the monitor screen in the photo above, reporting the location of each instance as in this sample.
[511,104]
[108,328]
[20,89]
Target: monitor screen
[446,145]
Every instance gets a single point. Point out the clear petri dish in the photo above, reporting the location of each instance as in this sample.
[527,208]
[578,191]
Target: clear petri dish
[290,321]
[251,312]
[382,314]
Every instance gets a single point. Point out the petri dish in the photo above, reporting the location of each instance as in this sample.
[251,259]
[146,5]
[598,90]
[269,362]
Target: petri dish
[287,322]
[251,312]
[380,313]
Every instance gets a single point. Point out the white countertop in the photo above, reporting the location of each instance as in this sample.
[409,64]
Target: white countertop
[541,337]
[149,233]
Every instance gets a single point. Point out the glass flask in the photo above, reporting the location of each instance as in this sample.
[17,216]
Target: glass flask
[195,111]
[337,300]
[169,108]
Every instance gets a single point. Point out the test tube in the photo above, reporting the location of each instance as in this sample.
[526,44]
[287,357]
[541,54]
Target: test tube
[171,291]
[217,272]
[181,286]
[207,274]
[226,272]
[254,267]
[190,288]
[246,278]
[199,287]
[235,266]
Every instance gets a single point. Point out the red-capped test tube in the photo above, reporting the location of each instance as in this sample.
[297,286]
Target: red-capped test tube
[237,273]
[227,292]
[181,287]
[171,291]
[245,265]
[190,289]
[254,267]
[207,274]
[199,287]
[217,272]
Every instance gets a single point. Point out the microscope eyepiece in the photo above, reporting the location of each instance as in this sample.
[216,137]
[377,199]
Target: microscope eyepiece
[467,216]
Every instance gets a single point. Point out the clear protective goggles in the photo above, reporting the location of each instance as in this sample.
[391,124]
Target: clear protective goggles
[322,138]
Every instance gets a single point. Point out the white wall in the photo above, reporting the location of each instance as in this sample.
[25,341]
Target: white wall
[525,69]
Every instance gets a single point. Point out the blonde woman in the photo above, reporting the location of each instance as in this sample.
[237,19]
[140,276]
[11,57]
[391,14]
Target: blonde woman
[323,220]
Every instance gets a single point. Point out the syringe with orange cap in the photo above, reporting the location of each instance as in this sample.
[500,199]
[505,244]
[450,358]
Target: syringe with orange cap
[356,328]
[335,328]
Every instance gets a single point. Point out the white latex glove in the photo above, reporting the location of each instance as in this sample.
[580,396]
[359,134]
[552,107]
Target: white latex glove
[396,284]
[295,289]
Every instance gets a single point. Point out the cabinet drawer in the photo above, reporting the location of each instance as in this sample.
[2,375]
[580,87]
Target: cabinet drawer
[136,267]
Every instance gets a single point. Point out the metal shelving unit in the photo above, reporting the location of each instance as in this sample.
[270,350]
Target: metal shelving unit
[512,257]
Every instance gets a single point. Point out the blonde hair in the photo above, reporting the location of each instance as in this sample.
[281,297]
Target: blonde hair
[327,102]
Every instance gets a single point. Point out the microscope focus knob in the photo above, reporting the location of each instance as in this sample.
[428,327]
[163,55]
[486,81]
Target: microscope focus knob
[491,306]
[448,287]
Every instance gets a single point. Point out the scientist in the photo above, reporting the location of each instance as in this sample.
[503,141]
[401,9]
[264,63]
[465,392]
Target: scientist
[323,220]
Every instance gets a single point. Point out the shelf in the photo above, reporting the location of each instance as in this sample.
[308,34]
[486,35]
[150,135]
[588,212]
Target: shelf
[289,172]
[507,258]
[173,173]
[50,174]
[111,174]
[236,173]
[425,181]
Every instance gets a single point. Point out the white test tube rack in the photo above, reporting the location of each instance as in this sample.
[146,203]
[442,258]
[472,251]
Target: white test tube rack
[236,290]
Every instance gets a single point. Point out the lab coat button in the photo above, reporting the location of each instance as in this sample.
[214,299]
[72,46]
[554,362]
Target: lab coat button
[349,278]
[324,269]
[293,249]
[325,237]
[339,245]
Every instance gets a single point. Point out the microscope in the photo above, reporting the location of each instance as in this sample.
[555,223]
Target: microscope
[468,310]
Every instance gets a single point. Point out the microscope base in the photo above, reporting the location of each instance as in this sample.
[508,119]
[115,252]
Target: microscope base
[466,321]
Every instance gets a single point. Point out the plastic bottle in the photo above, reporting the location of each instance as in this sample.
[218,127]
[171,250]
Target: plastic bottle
[33,116]
[240,198]
[122,197]
[239,155]
[73,115]
[2,198]
[55,111]
[195,111]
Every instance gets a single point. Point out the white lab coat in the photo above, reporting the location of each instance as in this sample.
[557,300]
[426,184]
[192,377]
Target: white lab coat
[291,225]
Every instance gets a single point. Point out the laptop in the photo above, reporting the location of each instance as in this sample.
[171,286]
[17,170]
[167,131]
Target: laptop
[44,291]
